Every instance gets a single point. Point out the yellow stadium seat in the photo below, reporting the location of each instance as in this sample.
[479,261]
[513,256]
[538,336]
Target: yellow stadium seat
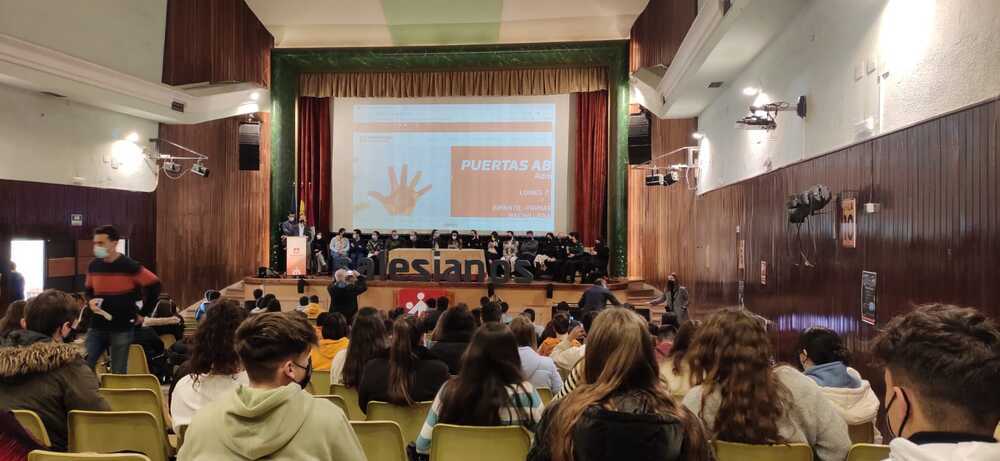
[117,431]
[42,455]
[135,400]
[350,397]
[459,443]
[381,440]
[545,394]
[319,384]
[130,381]
[336,399]
[30,421]
[410,419]
[137,364]
[861,433]
[730,451]
[168,340]
[868,452]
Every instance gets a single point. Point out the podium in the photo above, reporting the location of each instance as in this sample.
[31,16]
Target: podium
[296,256]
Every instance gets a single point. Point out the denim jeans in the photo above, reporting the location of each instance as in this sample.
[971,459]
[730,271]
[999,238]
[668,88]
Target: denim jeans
[99,341]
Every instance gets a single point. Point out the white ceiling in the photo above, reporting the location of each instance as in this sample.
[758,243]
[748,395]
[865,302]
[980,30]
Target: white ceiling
[369,23]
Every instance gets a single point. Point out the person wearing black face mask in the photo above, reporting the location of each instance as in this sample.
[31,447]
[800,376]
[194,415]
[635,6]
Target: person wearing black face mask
[675,297]
[942,375]
[42,372]
[275,350]
[394,242]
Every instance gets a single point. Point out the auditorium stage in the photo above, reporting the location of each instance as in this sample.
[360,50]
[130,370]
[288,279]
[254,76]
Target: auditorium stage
[383,294]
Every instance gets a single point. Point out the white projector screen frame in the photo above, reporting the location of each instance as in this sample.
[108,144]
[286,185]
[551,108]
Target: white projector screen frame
[342,168]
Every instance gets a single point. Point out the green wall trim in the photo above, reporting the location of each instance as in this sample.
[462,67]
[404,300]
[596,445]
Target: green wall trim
[288,64]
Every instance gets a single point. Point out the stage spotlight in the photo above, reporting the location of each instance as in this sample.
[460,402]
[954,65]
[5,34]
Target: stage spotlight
[200,169]
[698,135]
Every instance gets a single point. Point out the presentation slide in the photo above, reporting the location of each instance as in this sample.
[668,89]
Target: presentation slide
[461,163]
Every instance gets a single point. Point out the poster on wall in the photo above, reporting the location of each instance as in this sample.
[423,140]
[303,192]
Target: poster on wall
[763,273]
[868,296]
[741,255]
[848,223]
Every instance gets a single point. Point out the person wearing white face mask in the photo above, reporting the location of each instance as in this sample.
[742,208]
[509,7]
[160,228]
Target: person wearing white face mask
[113,282]
[942,376]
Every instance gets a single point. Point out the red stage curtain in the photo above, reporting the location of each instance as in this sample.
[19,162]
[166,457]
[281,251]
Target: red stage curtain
[591,164]
[314,160]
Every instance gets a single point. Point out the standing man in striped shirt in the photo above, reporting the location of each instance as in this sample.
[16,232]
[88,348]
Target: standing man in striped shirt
[115,283]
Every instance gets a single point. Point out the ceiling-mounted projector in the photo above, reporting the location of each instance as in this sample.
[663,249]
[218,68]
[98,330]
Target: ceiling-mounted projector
[763,117]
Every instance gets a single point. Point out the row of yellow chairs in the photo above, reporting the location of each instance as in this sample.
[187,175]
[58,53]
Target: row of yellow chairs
[382,440]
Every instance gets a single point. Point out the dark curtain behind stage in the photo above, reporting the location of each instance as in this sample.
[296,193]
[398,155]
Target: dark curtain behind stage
[591,164]
[314,154]
[314,160]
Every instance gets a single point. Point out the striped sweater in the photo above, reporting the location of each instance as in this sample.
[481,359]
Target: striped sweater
[120,283]
[523,396]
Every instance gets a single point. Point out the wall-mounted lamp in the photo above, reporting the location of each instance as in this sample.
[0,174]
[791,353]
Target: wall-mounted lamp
[763,117]
[697,135]
[751,91]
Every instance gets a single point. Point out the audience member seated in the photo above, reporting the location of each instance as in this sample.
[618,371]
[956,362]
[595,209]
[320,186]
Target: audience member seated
[368,340]
[344,291]
[41,373]
[213,369]
[529,313]
[824,359]
[430,320]
[210,297]
[333,339]
[942,373]
[488,391]
[491,313]
[529,248]
[571,349]
[250,304]
[272,417]
[455,329]
[165,320]
[742,398]
[539,371]
[625,412]
[263,304]
[12,318]
[560,328]
[307,307]
[665,335]
[675,371]
[409,373]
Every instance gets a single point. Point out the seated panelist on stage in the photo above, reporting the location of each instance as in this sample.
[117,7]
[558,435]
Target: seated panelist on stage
[455,243]
[339,245]
[529,247]
[394,241]
[434,242]
[474,241]
[358,249]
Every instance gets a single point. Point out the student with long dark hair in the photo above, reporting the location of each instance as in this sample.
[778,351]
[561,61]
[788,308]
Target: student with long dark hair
[12,318]
[489,391]
[675,371]
[452,335]
[214,368]
[368,340]
[409,373]
[623,411]
[742,398]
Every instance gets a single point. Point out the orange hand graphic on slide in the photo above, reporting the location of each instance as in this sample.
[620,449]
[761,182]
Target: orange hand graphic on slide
[403,195]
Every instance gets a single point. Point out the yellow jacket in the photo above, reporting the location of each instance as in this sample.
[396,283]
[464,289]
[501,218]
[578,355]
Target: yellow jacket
[322,356]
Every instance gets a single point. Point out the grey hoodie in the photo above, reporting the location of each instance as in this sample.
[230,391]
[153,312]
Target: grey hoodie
[901,449]
[276,424]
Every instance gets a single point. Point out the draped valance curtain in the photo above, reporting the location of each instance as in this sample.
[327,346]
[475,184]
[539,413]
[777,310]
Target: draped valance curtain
[500,82]
[589,85]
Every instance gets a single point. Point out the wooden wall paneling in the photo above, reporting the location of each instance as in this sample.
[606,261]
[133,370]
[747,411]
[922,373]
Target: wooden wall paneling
[659,31]
[214,230]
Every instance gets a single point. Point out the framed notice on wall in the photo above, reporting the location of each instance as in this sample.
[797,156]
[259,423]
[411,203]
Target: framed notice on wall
[763,273]
[848,222]
[868,296]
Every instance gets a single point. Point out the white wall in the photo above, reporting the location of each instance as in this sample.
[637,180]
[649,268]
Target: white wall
[45,139]
[51,140]
[929,57]
[125,35]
